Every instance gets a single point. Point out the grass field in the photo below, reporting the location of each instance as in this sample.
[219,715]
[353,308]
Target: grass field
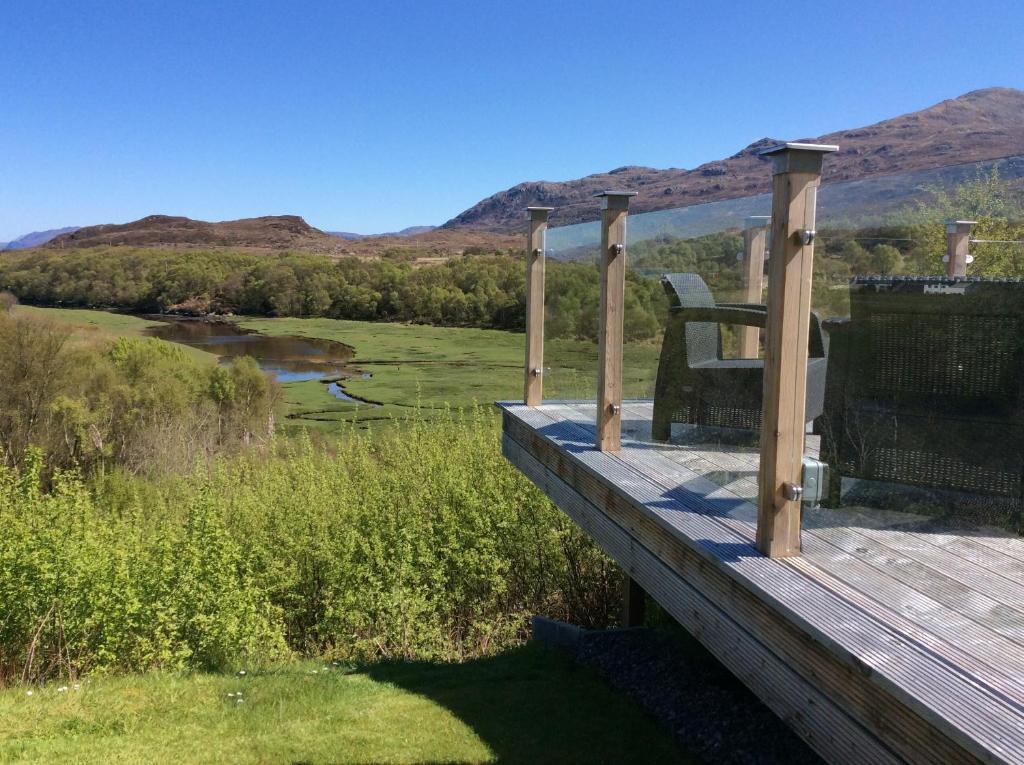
[524,706]
[87,324]
[436,367]
[412,367]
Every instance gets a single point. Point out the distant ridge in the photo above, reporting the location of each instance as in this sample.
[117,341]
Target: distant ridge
[36,238]
[267,232]
[278,233]
[408,231]
[980,125]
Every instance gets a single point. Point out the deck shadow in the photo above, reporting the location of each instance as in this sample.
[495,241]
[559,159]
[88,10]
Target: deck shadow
[520,705]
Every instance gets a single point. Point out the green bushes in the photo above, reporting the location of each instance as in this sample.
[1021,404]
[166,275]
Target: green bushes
[422,544]
[137,402]
[83,588]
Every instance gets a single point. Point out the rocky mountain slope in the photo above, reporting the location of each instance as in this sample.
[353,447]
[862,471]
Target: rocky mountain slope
[980,125]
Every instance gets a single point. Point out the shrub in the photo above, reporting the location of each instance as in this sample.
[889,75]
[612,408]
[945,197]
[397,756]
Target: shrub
[423,543]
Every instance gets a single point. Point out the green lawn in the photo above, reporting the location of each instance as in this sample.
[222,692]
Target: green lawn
[525,706]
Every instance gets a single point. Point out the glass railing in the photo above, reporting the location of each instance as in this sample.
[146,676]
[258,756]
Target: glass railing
[923,424]
[915,381]
[571,308]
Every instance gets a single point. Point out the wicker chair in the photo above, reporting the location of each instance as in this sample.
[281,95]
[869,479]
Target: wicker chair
[926,386]
[695,385]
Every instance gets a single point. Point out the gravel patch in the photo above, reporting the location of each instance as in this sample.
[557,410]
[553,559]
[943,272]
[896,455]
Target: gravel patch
[710,713]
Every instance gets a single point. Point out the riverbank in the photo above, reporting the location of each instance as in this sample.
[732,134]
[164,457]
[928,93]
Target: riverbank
[398,370]
[427,369]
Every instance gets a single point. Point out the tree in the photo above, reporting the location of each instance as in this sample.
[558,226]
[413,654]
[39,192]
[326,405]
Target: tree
[885,259]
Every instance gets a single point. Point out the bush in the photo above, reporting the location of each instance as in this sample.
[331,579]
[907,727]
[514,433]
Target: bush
[421,544]
[136,402]
[85,589]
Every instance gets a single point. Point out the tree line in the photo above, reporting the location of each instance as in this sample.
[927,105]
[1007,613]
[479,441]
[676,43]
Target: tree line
[475,291]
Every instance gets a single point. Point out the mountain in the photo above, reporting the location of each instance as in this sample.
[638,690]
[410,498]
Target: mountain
[980,125]
[408,231]
[36,238]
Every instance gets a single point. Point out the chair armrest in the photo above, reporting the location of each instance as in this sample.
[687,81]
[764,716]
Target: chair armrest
[749,306]
[721,314]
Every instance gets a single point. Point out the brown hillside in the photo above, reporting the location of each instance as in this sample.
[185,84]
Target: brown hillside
[274,233]
[983,124]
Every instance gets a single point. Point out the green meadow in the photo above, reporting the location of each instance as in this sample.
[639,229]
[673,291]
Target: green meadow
[426,368]
[87,325]
[411,369]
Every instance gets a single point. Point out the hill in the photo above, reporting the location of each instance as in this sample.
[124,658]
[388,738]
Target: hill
[275,233]
[36,238]
[980,125]
[271,232]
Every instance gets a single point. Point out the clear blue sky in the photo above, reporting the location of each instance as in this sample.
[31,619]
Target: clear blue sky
[372,116]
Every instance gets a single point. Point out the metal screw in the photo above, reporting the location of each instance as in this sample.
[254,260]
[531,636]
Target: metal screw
[538,252]
[615,408]
[618,249]
[793,492]
[536,371]
[807,236]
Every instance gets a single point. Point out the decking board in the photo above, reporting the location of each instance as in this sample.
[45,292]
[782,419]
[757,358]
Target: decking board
[908,651]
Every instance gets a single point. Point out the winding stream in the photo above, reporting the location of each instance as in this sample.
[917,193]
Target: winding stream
[286,358]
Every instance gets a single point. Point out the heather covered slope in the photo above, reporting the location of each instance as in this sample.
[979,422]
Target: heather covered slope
[983,124]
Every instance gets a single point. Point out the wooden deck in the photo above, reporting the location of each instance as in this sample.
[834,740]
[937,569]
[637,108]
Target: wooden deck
[881,643]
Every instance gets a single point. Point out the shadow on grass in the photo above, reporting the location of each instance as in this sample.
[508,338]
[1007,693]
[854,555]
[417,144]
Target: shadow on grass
[531,705]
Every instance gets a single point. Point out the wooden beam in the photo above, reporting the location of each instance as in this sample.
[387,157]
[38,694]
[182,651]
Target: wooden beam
[958,236]
[755,241]
[533,386]
[634,602]
[795,177]
[615,208]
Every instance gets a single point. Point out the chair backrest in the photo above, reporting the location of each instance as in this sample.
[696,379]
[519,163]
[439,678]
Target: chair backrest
[933,339]
[703,339]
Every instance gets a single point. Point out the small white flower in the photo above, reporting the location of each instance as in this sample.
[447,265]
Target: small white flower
[28,693]
[231,695]
[238,701]
[77,686]
[241,673]
[62,689]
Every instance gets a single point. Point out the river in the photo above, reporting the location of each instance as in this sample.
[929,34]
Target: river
[286,358]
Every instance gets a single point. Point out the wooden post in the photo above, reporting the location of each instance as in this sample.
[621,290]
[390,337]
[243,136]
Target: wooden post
[634,602]
[755,240]
[795,177]
[533,387]
[958,235]
[615,207]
